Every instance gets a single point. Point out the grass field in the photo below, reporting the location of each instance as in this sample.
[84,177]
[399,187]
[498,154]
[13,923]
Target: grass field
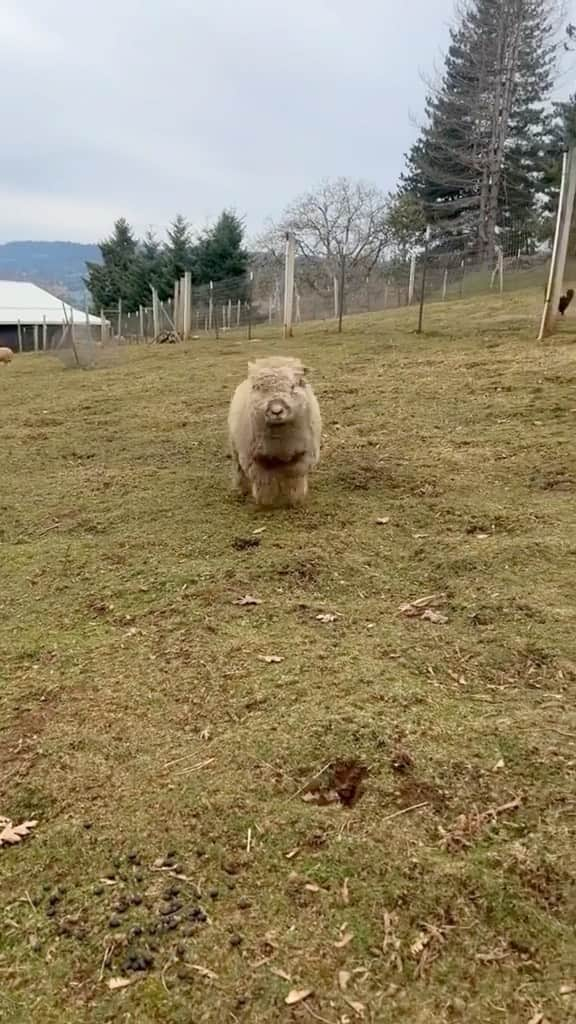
[198,832]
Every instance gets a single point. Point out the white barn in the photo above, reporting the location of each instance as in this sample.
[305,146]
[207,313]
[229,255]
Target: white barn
[32,319]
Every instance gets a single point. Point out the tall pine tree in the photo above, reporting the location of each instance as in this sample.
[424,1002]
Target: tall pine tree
[112,280]
[220,252]
[476,164]
[178,254]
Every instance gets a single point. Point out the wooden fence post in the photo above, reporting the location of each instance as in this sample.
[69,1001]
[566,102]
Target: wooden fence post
[44,333]
[561,239]
[290,256]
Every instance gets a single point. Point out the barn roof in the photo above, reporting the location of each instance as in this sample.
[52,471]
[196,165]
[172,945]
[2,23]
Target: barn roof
[29,304]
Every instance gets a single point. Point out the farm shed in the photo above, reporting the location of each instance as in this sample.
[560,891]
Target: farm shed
[32,319]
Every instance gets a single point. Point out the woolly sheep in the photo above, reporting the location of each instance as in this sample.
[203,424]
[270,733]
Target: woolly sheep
[6,355]
[275,428]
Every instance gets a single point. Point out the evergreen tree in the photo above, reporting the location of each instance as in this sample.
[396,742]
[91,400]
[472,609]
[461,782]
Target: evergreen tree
[220,253]
[477,162]
[178,255]
[111,280]
[148,270]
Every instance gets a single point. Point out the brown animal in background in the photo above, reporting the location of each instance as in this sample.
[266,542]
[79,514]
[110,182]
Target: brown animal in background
[275,428]
[6,355]
[565,301]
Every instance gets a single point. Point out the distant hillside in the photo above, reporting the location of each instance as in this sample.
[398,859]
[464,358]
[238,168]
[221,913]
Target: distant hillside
[57,266]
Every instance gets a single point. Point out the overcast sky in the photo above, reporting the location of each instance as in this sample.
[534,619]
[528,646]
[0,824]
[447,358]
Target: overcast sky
[147,108]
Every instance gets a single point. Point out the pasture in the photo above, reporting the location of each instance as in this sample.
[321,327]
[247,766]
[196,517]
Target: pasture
[326,792]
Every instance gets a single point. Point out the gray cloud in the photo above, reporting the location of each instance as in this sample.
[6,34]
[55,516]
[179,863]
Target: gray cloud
[147,109]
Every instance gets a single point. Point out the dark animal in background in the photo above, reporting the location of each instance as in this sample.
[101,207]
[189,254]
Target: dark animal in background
[565,301]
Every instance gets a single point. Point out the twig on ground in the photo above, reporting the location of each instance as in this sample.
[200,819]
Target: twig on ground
[317,1016]
[306,784]
[249,841]
[195,767]
[405,810]
[105,959]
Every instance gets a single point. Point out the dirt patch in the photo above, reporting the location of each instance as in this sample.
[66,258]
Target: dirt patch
[343,782]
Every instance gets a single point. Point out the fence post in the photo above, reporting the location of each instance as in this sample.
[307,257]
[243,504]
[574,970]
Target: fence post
[423,284]
[290,255]
[187,311]
[386,288]
[44,333]
[176,309]
[463,267]
[103,331]
[119,321]
[19,336]
[501,270]
[250,294]
[238,312]
[298,309]
[561,239]
[211,305]
[141,320]
[155,313]
[412,279]
[270,307]
[445,284]
[35,337]
[336,304]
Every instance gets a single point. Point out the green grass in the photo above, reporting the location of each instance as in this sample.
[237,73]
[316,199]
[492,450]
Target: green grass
[125,661]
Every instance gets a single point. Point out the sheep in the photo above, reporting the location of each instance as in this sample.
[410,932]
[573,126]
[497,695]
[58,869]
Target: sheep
[6,355]
[275,429]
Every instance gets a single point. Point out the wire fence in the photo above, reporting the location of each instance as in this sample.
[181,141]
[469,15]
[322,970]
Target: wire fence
[249,304]
[253,304]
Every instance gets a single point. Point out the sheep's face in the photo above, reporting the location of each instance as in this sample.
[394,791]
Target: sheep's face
[280,394]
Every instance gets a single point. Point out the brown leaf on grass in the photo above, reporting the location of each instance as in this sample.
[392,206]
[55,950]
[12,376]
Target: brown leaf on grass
[326,617]
[345,939]
[567,990]
[270,659]
[342,781]
[383,521]
[114,984]
[11,834]
[298,995]
[343,980]
[431,615]
[423,607]
[345,894]
[468,827]
[248,601]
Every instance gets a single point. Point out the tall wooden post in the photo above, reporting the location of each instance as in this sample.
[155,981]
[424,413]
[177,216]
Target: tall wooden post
[560,248]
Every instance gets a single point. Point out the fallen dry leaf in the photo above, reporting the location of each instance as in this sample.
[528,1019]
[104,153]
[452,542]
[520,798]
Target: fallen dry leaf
[259,530]
[423,940]
[343,980]
[114,984]
[383,521]
[416,609]
[345,939]
[270,659]
[247,601]
[430,615]
[312,887]
[499,765]
[327,617]
[567,990]
[354,1004]
[298,995]
[11,834]
[280,974]
[345,894]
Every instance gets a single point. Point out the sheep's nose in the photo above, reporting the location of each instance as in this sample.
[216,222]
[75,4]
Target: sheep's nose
[276,409]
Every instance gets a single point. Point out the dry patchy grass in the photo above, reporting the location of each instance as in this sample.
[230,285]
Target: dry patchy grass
[141,721]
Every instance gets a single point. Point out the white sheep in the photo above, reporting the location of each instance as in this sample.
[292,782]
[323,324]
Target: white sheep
[6,355]
[275,429]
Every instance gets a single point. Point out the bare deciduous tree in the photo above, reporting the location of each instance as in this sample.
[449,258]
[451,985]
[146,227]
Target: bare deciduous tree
[341,226]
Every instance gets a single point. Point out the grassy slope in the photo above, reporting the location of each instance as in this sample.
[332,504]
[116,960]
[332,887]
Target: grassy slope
[121,645]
